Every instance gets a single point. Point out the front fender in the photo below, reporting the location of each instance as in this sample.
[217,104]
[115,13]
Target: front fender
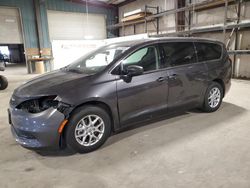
[112,108]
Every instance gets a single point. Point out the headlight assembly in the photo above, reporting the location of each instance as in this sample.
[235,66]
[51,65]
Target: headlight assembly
[39,104]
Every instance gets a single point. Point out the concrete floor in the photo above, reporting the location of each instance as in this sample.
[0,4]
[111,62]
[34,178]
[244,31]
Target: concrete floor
[191,150]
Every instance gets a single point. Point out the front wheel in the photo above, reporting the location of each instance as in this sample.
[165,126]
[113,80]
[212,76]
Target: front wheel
[88,128]
[213,97]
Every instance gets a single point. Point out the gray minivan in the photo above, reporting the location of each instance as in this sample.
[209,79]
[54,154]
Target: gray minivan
[118,85]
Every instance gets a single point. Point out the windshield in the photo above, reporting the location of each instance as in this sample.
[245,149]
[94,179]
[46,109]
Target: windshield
[96,61]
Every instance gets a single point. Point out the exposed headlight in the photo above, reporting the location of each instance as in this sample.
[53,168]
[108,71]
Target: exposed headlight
[39,104]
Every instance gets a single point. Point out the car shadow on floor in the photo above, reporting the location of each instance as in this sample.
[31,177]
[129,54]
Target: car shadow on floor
[174,126]
[195,120]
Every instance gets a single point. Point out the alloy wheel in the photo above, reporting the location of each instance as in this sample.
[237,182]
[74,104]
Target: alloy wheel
[214,97]
[89,130]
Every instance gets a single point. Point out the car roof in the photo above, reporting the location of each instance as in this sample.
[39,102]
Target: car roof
[136,42]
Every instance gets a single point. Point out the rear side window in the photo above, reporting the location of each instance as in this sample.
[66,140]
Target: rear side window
[178,53]
[208,51]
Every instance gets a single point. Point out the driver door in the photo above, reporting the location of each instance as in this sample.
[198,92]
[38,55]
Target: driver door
[145,95]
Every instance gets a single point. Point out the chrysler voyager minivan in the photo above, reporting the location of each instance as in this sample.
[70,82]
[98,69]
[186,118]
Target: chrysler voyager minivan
[118,85]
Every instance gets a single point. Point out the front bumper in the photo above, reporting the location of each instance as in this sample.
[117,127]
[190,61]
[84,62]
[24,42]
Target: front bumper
[36,131]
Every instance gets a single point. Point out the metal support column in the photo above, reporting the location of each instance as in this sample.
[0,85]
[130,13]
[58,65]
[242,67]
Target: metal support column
[145,15]
[38,25]
[236,36]
[189,19]
[225,20]
[176,17]
[157,21]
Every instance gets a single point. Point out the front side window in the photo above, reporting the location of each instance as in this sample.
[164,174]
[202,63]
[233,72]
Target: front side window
[146,57]
[178,53]
[208,51]
[97,60]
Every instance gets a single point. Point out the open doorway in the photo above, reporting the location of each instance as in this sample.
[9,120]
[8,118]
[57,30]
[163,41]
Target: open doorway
[13,54]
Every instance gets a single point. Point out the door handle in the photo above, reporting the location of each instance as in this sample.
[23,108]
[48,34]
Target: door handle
[172,76]
[161,79]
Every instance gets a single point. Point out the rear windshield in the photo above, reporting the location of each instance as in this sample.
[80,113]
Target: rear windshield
[208,51]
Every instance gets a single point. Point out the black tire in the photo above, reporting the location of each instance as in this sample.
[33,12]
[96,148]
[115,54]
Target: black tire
[80,113]
[3,83]
[206,106]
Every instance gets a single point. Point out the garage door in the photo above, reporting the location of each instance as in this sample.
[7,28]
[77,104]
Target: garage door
[73,26]
[10,26]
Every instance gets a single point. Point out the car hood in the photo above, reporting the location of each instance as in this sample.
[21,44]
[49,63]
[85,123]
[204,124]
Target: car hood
[53,83]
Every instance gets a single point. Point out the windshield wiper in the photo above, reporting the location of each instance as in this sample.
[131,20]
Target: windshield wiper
[79,71]
[64,68]
[68,69]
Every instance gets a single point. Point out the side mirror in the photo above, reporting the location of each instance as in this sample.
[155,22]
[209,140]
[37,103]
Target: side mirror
[132,70]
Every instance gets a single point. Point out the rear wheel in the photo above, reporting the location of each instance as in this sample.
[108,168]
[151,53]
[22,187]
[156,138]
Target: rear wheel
[88,128]
[213,97]
[3,83]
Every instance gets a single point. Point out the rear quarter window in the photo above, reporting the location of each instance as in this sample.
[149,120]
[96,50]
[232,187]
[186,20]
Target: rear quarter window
[208,51]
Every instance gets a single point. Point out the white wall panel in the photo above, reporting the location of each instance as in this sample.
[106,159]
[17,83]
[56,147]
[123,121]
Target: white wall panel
[74,26]
[212,16]
[10,26]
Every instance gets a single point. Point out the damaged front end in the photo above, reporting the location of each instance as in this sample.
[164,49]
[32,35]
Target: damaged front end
[42,103]
[37,121]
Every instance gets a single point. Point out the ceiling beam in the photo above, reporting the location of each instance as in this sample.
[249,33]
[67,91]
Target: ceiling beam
[125,2]
[114,2]
[92,3]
